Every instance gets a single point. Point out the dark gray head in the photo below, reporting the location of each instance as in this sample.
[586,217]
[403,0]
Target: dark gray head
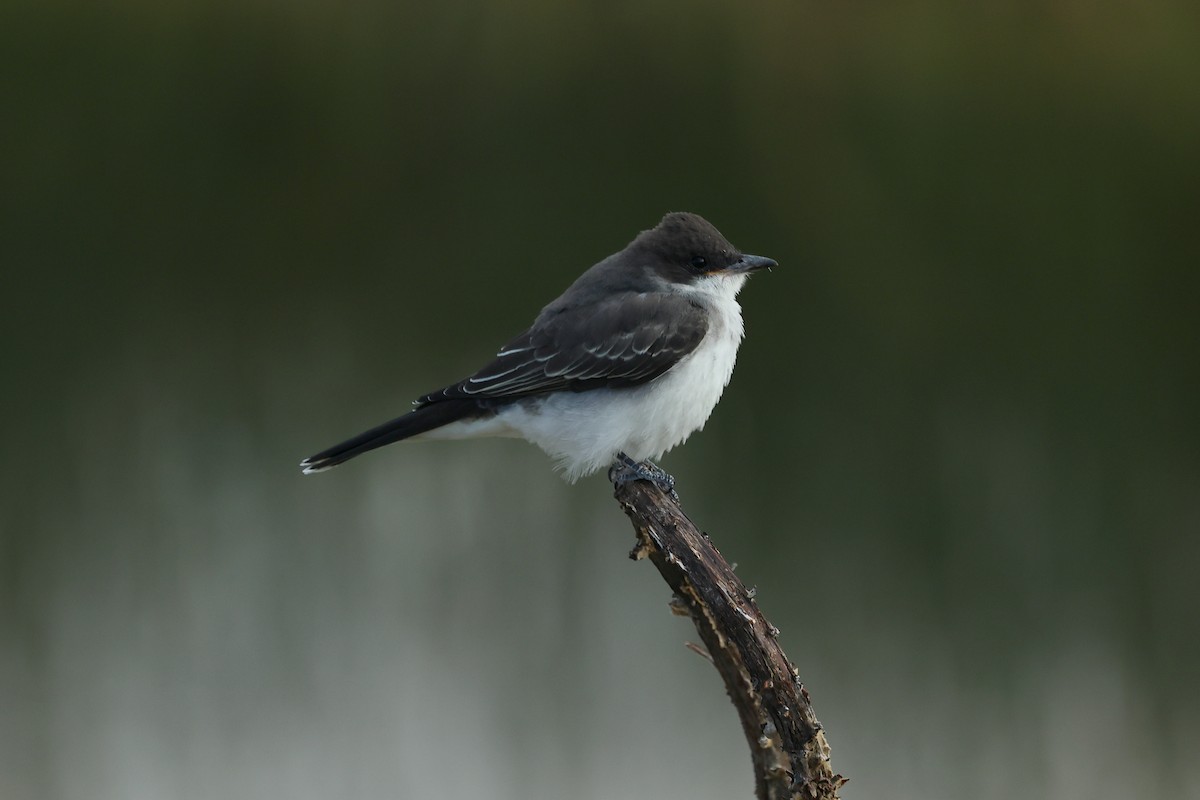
[684,248]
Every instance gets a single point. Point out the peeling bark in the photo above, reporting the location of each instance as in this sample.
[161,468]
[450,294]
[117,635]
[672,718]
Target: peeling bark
[787,743]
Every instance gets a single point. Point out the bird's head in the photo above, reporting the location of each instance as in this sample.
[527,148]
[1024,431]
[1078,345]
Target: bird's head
[686,249]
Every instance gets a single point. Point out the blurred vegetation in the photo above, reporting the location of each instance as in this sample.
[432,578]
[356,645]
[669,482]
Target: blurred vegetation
[969,392]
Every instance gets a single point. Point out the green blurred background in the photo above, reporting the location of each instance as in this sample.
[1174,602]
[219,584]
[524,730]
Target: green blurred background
[960,457]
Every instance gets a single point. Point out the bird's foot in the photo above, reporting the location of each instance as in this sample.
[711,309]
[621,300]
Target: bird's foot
[625,471]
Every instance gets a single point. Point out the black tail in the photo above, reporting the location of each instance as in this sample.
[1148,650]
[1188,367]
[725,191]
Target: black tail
[419,420]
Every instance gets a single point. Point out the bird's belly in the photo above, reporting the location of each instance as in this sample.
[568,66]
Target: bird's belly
[584,431]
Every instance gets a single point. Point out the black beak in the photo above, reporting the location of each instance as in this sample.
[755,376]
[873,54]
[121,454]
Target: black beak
[752,263]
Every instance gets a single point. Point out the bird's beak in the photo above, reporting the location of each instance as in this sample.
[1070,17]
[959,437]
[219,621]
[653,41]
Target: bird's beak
[752,263]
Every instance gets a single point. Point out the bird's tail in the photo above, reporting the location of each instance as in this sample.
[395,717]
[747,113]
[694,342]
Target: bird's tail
[417,421]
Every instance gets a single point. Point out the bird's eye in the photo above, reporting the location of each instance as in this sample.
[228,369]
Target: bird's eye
[699,262]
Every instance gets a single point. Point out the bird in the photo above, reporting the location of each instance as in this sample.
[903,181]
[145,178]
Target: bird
[623,366]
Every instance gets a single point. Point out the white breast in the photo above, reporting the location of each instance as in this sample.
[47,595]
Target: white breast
[585,431]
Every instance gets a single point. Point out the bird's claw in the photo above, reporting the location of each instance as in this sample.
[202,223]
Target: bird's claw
[625,471]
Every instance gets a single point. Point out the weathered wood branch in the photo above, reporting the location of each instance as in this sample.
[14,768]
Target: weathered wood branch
[787,743]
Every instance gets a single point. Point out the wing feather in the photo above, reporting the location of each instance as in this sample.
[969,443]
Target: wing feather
[622,342]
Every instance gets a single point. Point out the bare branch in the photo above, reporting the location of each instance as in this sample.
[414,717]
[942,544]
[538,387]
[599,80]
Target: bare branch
[787,743]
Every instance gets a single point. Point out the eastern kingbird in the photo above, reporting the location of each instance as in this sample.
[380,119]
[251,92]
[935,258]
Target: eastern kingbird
[623,366]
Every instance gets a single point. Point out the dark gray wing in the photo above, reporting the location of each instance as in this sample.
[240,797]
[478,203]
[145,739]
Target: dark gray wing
[625,341]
